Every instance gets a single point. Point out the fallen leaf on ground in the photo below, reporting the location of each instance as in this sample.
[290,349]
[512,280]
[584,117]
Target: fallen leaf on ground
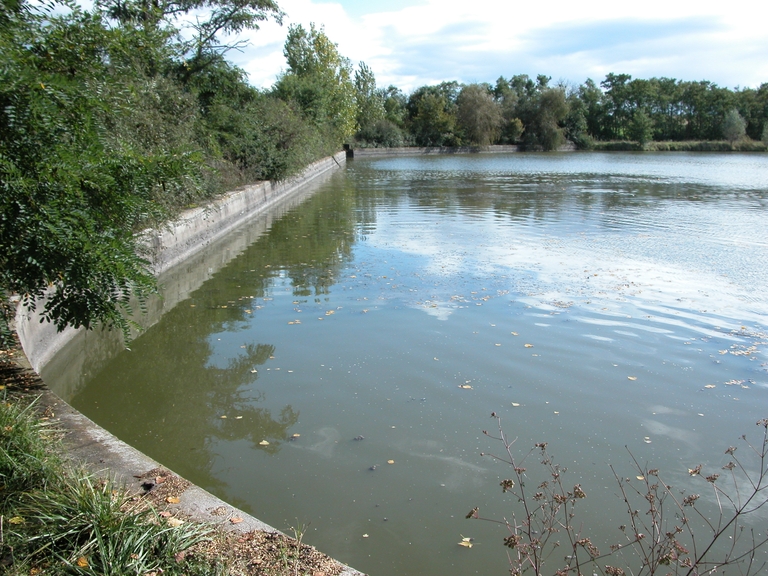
[175,522]
[173,499]
[82,562]
[235,520]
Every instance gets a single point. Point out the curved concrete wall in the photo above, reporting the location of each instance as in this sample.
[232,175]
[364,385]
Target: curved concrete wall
[177,243]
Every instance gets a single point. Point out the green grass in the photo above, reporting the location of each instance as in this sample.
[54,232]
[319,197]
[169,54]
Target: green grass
[56,519]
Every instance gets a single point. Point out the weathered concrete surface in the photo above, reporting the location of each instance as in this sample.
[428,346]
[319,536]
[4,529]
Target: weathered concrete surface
[93,446]
[197,228]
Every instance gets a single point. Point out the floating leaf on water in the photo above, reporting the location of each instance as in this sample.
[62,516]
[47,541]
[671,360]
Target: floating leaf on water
[238,417]
[640,477]
[529,345]
[295,435]
[498,344]
[514,334]
[254,371]
[173,499]
[263,443]
[224,417]
[631,377]
[557,412]
[515,404]
[465,386]
[709,386]
[365,535]
[390,461]
[465,543]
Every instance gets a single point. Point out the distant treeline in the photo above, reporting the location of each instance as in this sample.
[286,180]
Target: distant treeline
[539,115]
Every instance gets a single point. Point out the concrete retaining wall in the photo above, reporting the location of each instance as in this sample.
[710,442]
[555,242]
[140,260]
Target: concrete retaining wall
[418,151]
[176,243]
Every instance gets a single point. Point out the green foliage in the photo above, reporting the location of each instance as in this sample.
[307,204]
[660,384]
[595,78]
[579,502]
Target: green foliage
[319,81]
[641,128]
[26,461]
[380,134]
[199,38]
[734,126]
[478,115]
[369,100]
[432,115]
[72,523]
[71,195]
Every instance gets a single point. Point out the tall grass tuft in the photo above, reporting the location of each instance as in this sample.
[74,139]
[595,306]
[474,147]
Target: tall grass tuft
[57,519]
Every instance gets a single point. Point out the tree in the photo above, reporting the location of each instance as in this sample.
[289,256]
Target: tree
[641,127]
[369,100]
[319,80]
[223,17]
[73,195]
[734,126]
[432,114]
[478,115]
[430,122]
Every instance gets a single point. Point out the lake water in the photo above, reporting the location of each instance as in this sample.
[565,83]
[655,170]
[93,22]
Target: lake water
[605,303]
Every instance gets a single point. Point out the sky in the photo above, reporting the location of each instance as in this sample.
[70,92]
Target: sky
[411,43]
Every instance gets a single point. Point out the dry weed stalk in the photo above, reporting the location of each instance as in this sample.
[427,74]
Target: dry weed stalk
[666,532]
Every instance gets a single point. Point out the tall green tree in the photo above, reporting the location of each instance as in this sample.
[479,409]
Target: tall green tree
[319,81]
[432,115]
[368,98]
[478,114]
[734,126]
[199,38]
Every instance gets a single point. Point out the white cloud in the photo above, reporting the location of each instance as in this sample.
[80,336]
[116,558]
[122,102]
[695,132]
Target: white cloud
[435,40]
